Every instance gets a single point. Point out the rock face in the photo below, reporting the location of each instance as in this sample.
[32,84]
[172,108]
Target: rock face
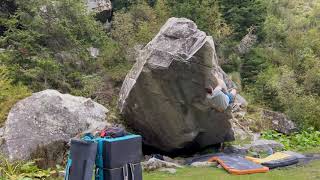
[99,5]
[279,122]
[248,41]
[49,119]
[102,8]
[163,96]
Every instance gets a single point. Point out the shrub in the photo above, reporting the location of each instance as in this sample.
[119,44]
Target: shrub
[48,41]
[24,170]
[9,93]
[302,140]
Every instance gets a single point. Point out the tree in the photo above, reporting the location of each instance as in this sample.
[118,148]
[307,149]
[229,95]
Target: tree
[204,13]
[241,15]
[284,73]
[48,42]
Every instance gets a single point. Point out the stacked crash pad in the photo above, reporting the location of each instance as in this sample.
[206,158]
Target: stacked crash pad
[122,158]
[111,158]
[83,155]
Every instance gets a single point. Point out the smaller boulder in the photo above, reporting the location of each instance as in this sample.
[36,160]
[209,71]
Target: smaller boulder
[265,146]
[279,122]
[40,126]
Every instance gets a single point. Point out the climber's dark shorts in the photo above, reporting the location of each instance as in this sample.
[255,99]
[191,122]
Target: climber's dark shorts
[231,97]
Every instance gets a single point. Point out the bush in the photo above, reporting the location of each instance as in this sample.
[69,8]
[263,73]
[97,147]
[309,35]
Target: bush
[278,88]
[302,140]
[24,170]
[9,93]
[305,110]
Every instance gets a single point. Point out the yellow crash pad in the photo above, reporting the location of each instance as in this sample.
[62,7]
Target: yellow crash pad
[273,157]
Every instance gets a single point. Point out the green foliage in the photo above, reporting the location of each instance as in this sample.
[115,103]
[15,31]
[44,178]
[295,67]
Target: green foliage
[9,93]
[253,63]
[23,171]
[241,15]
[283,71]
[205,13]
[122,4]
[7,7]
[305,110]
[48,42]
[139,24]
[132,27]
[303,140]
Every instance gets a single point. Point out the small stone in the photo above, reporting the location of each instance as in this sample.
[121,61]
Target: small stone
[168,159]
[147,157]
[204,164]
[154,163]
[94,52]
[236,149]
[61,173]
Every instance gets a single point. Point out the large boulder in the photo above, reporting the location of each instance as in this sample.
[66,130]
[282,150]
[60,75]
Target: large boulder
[163,96]
[45,121]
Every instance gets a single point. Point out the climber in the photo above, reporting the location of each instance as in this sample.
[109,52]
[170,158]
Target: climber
[220,98]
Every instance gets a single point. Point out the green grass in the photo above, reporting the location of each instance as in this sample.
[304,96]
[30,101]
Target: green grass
[310,171]
[311,150]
